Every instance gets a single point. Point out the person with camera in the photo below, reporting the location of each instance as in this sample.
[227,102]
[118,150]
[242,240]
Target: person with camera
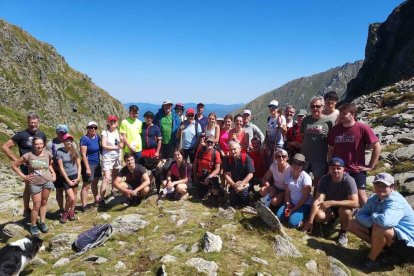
[206,169]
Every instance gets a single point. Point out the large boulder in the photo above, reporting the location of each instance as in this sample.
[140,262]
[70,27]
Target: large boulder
[129,224]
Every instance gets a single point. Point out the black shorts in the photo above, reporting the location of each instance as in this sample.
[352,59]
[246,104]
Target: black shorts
[60,180]
[66,185]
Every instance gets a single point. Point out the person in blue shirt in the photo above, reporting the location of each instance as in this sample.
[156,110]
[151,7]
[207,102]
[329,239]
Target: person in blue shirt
[386,221]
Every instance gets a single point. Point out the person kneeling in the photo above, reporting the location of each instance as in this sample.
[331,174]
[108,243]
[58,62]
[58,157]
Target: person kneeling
[386,221]
[133,180]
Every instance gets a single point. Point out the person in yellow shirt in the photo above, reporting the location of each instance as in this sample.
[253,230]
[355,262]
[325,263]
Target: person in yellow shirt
[130,131]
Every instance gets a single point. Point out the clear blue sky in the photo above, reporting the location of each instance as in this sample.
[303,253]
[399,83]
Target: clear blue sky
[220,51]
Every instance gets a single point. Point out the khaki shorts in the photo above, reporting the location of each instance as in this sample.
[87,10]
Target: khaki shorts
[35,189]
[111,162]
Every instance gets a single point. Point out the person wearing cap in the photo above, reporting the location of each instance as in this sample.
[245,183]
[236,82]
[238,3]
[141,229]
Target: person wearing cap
[293,135]
[23,139]
[130,130]
[336,197]
[206,170]
[200,118]
[386,221]
[289,113]
[90,165]
[250,128]
[315,129]
[298,199]
[111,155]
[151,137]
[68,163]
[179,109]
[189,135]
[275,130]
[169,123]
[331,98]
[349,139]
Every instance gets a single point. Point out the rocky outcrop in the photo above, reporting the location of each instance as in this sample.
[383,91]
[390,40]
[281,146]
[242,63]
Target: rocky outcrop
[389,53]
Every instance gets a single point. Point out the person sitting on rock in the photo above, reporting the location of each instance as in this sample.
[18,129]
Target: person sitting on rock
[137,181]
[175,186]
[239,171]
[336,197]
[206,169]
[386,221]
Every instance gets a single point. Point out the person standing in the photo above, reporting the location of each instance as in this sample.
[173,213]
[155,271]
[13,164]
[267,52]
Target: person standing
[169,123]
[293,135]
[250,128]
[200,118]
[190,133]
[238,134]
[331,98]
[289,113]
[130,130]
[151,137]
[179,109]
[24,141]
[348,140]
[275,131]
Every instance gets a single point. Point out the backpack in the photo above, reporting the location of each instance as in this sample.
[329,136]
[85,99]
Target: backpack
[203,150]
[92,238]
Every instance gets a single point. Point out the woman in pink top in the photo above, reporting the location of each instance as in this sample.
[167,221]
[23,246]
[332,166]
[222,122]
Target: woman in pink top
[224,143]
[238,134]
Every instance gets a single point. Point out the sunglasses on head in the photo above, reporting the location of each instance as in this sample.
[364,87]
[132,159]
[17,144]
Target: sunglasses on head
[93,127]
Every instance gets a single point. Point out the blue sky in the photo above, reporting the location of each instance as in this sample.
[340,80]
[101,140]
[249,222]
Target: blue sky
[200,50]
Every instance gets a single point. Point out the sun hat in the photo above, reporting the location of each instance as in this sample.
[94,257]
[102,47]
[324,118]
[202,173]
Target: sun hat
[336,161]
[167,102]
[273,103]
[302,112]
[179,105]
[247,111]
[62,128]
[384,178]
[299,157]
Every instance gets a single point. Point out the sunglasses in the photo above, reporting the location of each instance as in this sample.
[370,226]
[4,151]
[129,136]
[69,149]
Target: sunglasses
[315,106]
[190,115]
[113,122]
[280,156]
[295,163]
[210,142]
[272,107]
[93,127]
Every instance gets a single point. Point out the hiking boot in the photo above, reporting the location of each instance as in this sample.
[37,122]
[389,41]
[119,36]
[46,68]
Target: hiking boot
[84,208]
[342,240]
[64,217]
[71,215]
[27,213]
[102,205]
[369,265]
[43,227]
[34,230]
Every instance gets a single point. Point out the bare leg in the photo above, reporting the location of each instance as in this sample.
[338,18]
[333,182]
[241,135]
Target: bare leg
[379,238]
[36,198]
[278,199]
[94,186]
[105,181]
[43,205]
[359,230]
[84,192]
[26,196]
[345,216]
[362,197]
[59,198]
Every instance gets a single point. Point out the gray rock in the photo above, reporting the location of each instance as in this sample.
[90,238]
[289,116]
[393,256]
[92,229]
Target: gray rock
[181,222]
[8,205]
[61,243]
[194,248]
[270,219]
[405,153]
[79,273]
[61,262]
[95,259]
[227,214]
[105,216]
[263,274]
[312,266]
[283,247]
[169,238]
[212,243]
[295,272]
[406,181]
[168,259]
[397,119]
[405,138]
[12,230]
[181,248]
[338,268]
[410,200]
[203,266]
[120,266]
[38,262]
[259,260]
[129,224]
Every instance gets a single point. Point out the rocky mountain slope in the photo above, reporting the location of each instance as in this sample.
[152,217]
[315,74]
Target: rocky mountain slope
[35,78]
[298,92]
[389,53]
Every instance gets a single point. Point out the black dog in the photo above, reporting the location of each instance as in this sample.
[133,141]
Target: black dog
[15,256]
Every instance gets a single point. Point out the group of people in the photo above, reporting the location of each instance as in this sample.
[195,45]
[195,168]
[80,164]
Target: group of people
[307,168]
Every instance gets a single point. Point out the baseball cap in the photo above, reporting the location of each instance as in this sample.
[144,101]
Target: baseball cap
[200,104]
[336,161]
[247,111]
[302,112]
[384,178]
[92,123]
[167,102]
[190,111]
[112,118]
[67,136]
[148,114]
[62,128]
[273,103]
[299,157]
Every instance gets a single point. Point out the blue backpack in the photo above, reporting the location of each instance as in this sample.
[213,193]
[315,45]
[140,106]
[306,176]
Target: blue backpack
[92,238]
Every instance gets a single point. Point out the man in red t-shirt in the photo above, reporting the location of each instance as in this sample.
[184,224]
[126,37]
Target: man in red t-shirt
[206,169]
[348,140]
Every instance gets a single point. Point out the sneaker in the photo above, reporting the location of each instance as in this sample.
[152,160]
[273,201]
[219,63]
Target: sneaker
[34,230]
[342,240]
[64,217]
[84,208]
[27,213]
[369,265]
[43,227]
[102,205]
[71,215]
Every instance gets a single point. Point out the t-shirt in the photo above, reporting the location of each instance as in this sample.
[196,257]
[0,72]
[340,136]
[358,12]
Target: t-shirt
[337,191]
[39,166]
[150,135]
[237,169]
[112,139]
[132,130]
[204,159]
[70,167]
[224,140]
[188,134]
[132,178]
[203,121]
[293,134]
[296,186]
[315,138]
[240,137]
[274,132]
[279,177]
[175,172]
[166,129]
[24,140]
[349,143]
[259,163]
[92,148]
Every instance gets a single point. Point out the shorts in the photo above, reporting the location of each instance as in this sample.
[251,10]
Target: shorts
[95,172]
[318,169]
[60,180]
[360,180]
[66,185]
[110,162]
[35,189]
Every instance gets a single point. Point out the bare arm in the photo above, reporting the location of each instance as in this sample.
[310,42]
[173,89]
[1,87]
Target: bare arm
[351,202]
[217,134]
[16,168]
[145,181]
[6,148]
[85,159]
